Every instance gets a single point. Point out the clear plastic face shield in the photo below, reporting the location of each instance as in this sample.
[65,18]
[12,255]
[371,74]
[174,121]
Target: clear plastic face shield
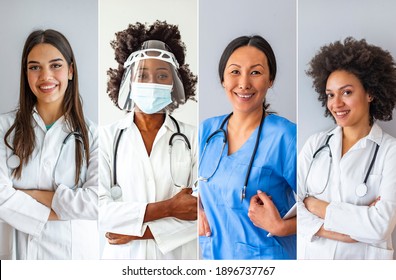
[151,80]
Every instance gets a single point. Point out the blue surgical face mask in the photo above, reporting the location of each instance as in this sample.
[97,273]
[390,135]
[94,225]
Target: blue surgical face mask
[151,98]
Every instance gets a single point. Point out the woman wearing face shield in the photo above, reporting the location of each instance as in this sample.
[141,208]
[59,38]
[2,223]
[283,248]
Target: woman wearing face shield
[147,159]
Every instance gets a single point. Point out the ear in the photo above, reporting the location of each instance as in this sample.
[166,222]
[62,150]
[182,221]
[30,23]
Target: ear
[370,98]
[70,71]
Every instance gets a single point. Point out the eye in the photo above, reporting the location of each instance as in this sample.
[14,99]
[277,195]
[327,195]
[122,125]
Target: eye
[34,67]
[141,76]
[56,65]
[235,72]
[163,76]
[329,95]
[255,72]
[347,92]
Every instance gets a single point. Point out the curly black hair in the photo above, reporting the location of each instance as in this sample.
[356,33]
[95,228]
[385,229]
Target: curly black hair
[131,39]
[373,66]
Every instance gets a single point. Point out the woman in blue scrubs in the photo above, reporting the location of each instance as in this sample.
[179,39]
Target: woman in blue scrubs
[247,165]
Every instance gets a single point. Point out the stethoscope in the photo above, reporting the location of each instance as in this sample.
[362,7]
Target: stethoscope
[14,160]
[223,134]
[361,189]
[116,191]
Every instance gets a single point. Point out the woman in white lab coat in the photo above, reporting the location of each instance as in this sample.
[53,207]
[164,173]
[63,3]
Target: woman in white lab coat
[347,178]
[144,206]
[48,171]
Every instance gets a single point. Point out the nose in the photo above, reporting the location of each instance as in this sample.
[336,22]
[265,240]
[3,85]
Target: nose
[336,101]
[45,74]
[244,83]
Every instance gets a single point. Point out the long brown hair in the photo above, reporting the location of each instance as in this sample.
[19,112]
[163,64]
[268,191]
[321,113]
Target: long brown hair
[24,137]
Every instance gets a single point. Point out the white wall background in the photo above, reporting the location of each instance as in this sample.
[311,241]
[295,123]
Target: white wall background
[321,22]
[77,20]
[223,20]
[116,15]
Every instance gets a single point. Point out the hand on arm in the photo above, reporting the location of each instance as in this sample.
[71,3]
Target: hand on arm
[318,208]
[182,206]
[263,213]
[118,239]
[44,197]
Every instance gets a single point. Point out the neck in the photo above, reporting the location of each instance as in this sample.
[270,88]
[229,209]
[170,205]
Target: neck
[355,134]
[49,113]
[146,122]
[246,121]
[351,135]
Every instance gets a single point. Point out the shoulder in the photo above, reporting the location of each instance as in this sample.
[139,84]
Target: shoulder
[92,127]
[388,141]
[112,128]
[280,125]
[7,119]
[212,124]
[318,139]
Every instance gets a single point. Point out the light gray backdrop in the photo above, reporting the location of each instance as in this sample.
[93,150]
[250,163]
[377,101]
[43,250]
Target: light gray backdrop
[223,20]
[77,20]
[321,22]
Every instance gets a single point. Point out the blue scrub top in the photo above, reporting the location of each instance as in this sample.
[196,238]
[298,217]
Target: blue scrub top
[274,172]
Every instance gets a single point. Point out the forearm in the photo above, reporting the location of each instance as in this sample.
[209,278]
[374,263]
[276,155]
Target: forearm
[316,206]
[334,235]
[287,227]
[44,197]
[157,210]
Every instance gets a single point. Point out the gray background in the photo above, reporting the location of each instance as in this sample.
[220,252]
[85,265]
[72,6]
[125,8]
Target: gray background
[77,20]
[321,22]
[223,20]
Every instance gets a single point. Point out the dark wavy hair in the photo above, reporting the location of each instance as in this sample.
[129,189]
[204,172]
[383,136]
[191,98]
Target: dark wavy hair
[373,66]
[255,41]
[131,39]
[24,139]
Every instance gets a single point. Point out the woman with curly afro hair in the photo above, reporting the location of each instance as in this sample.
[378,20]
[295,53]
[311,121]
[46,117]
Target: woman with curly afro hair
[347,183]
[147,207]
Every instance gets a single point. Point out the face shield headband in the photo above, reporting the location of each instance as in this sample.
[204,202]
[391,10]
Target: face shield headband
[153,66]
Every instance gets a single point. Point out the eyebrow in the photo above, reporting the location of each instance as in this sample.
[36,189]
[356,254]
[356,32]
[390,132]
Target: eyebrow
[159,68]
[341,88]
[237,65]
[51,61]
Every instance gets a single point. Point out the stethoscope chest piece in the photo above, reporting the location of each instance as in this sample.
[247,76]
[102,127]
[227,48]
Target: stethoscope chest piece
[116,192]
[361,190]
[13,161]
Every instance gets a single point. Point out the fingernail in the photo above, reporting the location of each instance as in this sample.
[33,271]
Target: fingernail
[208,234]
[258,191]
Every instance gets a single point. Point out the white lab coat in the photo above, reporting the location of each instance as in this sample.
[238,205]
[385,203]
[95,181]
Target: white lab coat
[143,179]
[75,236]
[347,213]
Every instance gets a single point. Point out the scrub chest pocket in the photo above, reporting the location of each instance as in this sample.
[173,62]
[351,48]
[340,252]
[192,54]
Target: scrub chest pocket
[260,179]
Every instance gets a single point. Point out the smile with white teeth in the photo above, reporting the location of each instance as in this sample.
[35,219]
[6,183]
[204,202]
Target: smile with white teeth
[244,95]
[47,87]
[342,113]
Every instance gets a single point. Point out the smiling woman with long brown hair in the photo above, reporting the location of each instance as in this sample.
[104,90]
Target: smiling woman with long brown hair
[49,172]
